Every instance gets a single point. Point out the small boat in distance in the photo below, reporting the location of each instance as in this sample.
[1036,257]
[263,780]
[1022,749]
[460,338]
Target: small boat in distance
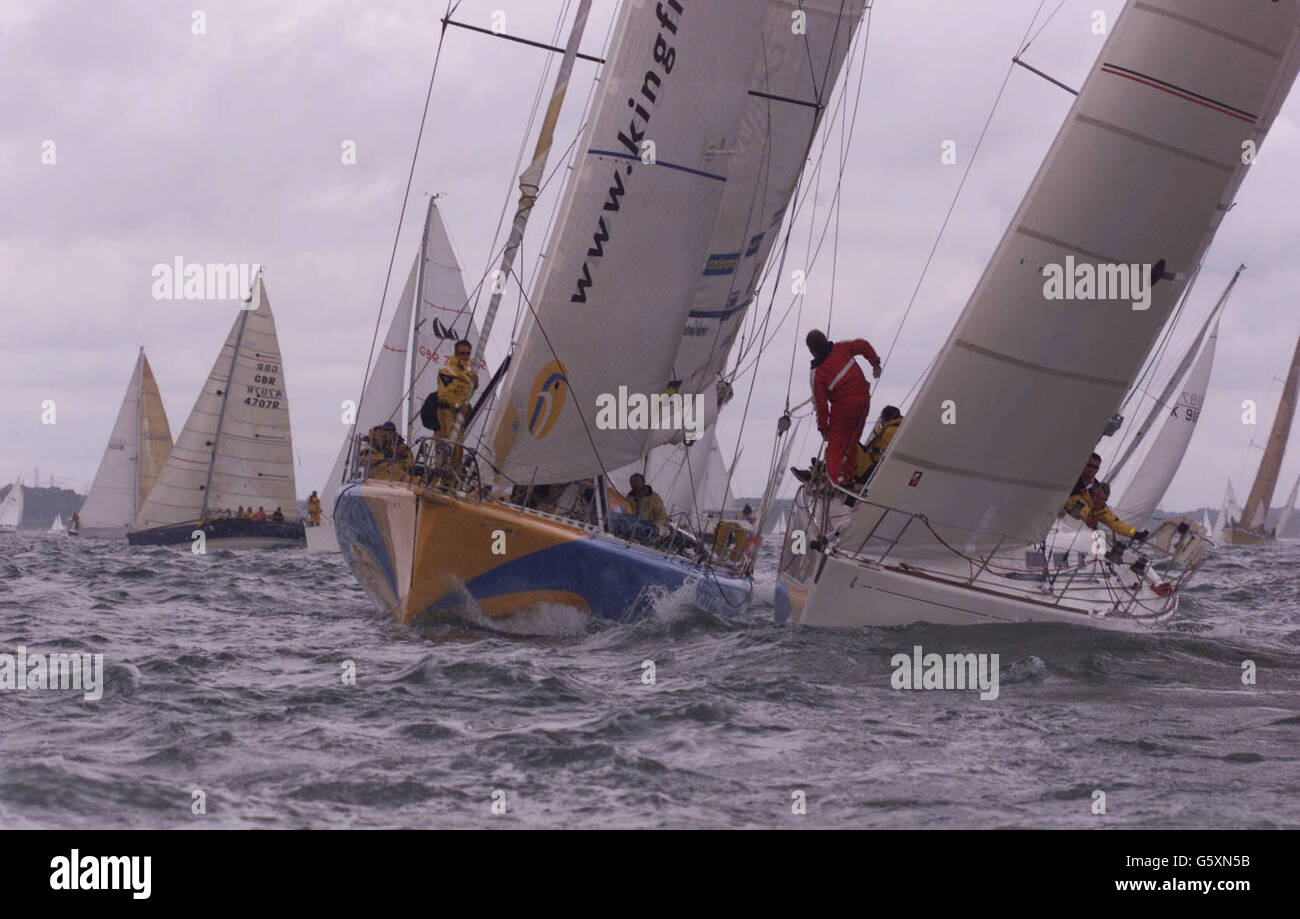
[235,450]
[11,508]
[136,451]
[57,526]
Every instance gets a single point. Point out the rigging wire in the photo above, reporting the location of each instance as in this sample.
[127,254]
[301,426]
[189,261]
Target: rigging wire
[410,177]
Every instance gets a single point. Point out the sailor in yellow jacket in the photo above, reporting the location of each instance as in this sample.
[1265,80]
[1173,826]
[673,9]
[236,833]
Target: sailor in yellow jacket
[313,510]
[1089,505]
[456,383]
[874,449]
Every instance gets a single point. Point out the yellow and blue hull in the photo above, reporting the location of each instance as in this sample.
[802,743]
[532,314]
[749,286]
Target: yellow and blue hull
[420,552]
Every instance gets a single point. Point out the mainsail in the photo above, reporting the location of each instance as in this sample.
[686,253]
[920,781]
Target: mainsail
[236,448]
[11,508]
[1261,493]
[1137,500]
[136,452]
[1140,176]
[632,236]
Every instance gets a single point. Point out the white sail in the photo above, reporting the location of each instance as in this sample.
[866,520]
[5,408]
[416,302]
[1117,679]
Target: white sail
[57,526]
[136,452]
[1270,464]
[1142,172]
[11,508]
[382,399]
[1230,507]
[1288,508]
[791,82]
[236,448]
[442,316]
[1137,500]
[632,236]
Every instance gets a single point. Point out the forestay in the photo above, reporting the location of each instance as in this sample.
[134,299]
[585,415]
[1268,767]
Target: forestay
[235,449]
[631,236]
[1142,172]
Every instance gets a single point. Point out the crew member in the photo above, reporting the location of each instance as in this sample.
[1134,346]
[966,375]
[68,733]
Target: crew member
[648,513]
[277,516]
[843,399]
[313,510]
[874,449]
[1096,512]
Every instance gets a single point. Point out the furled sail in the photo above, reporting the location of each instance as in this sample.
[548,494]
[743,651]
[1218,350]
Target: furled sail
[632,236]
[1140,176]
[1136,501]
[442,316]
[11,508]
[792,81]
[136,452]
[1261,493]
[236,448]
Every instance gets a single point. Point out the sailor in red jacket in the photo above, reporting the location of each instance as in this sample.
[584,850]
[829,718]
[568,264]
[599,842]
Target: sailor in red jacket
[843,399]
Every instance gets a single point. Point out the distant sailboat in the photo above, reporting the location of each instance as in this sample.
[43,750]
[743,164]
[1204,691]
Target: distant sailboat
[1137,495]
[400,376]
[235,450]
[136,451]
[57,526]
[11,509]
[1287,509]
[1249,528]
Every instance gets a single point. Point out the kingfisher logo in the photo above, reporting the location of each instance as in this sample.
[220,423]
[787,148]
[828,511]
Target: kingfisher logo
[546,401]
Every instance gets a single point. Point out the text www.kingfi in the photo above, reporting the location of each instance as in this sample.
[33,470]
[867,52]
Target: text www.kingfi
[665,55]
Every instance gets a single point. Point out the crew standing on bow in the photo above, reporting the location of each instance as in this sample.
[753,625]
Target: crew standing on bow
[842,398]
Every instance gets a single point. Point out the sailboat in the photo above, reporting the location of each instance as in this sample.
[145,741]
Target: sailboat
[437,319]
[701,121]
[1138,494]
[1250,528]
[11,508]
[235,450]
[1287,509]
[136,451]
[1141,174]
[57,526]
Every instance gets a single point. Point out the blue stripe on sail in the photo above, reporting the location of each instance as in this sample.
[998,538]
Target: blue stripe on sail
[666,165]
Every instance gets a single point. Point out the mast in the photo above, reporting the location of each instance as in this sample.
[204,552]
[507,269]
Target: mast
[139,429]
[530,181]
[1261,493]
[225,397]
[1180,371]
[418,308]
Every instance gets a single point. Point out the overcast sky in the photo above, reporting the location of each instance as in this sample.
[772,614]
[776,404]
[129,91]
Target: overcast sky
[226,147]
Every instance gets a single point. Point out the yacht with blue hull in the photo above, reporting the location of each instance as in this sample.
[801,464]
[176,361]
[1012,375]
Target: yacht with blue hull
[421,548]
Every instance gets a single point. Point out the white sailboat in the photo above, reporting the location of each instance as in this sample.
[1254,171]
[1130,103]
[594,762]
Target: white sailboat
[136,451]
[1249,529]
[437,318]
[1137,494]
[235,451]
[1141,174]
[11,508]
[1228,511]
[57,527]
[680,184]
